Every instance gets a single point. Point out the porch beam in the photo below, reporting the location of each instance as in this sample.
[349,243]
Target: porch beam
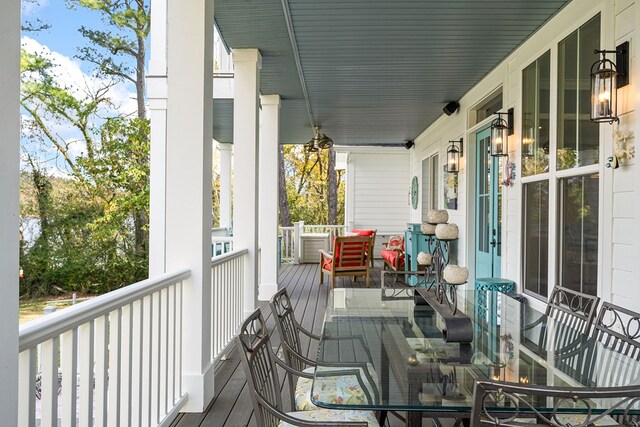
[9,213]
[247,64]
[269,141]
[181,149]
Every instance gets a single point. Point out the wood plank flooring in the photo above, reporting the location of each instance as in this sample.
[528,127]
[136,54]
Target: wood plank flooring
[232,405]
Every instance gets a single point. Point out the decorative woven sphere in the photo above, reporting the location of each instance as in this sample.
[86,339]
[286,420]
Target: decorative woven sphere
[447,231]
[437,216]
[455,275]
[426,228]
[424,258]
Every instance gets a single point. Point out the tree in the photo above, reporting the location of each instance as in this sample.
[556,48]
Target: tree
[306,182]
[332,188]
[112,52]
[283,200]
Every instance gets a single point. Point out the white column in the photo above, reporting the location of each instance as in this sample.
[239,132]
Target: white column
[181,175]
[247,64]
[269,140]
[225,184]
[9,196]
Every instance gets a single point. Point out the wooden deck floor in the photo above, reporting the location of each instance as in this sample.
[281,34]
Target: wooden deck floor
[232,404]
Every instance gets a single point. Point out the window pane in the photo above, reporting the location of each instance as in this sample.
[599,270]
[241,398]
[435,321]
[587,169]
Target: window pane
[578,137]
[536,237]
[578,231]
[535,116]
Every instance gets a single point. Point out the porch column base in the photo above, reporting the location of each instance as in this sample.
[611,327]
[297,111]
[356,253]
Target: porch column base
[199,388]
[266,291]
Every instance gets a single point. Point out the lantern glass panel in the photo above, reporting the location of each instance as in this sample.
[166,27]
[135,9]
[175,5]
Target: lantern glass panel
[499,138]
[453,160]
[603,95]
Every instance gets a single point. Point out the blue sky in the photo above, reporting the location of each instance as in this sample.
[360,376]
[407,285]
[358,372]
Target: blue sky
[63,36]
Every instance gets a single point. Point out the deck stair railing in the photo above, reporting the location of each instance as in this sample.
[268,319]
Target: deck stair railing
[113,360]
[227,279]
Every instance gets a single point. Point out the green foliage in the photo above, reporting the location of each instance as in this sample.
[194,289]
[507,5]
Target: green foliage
[94,219]
[306,180]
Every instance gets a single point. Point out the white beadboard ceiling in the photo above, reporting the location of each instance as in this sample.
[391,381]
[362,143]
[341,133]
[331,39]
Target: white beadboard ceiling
[375,72]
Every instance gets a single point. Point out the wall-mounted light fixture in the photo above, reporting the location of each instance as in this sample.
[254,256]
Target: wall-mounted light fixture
[606,78]
[500,131]
[454,152]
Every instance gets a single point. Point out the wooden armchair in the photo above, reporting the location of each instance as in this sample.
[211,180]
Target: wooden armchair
[348,257]
[393,253]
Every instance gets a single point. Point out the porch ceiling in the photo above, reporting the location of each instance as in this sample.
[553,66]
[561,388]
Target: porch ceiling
[376,71]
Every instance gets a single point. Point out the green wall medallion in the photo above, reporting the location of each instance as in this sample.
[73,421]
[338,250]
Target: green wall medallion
[414,192]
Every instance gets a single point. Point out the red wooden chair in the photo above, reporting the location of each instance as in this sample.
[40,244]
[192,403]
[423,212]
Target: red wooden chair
[348,258]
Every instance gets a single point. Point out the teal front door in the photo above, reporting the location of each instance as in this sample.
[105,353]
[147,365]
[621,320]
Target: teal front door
[488,208]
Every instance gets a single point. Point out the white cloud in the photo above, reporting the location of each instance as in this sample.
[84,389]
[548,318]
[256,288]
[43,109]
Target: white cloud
[68,73]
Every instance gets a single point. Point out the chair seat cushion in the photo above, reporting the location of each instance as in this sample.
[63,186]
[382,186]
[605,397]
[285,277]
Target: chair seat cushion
[391,256]
[335,389]
[333,415]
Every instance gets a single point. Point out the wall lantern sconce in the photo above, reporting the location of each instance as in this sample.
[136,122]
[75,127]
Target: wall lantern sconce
[454,152]
[606,78]
[500,131]
[528,137]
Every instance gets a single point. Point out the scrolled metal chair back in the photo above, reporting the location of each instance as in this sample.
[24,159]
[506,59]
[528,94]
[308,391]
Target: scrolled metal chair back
[287,327]
[575,309]
[507,404]
[260,369]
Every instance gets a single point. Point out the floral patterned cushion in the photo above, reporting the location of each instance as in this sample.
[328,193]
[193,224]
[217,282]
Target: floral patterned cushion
[335,389]
[334,415]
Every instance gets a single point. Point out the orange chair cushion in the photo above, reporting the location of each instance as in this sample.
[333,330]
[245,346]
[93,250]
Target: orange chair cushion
[392,256]
[364,233]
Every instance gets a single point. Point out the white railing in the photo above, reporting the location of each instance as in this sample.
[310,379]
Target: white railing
[113,360]
[221,241]
[290,242]
[331,230]
[227,297]
[287,244]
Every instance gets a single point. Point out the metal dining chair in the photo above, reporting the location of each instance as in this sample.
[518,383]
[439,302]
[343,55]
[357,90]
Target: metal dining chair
[361,383]
[572,407]
[260,366]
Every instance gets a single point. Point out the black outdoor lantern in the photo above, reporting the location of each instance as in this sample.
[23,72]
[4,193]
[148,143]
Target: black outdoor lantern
[606,78]
[500,131]
[453,156]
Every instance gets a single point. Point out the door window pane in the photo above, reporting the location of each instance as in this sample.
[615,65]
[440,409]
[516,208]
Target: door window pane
[536,237]
[535,116]
[578,137]
[578,231]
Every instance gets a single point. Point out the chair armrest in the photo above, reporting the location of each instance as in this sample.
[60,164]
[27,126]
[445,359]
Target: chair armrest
[308,333]
[298,356]
[385,244]
[290,370]
[325,254]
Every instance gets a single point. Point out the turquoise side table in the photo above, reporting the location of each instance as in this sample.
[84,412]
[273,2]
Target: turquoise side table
[495,284]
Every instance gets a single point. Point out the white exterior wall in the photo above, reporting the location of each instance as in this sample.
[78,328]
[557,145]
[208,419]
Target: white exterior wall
[619,189]
[378,182]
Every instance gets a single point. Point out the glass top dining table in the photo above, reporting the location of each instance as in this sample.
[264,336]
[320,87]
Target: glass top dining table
[396,352]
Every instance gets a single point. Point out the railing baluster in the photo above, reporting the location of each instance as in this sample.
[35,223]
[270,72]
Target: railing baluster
[134,369]
[171,346]
[178,372]
[85,367]
[49,381]
[27,389]
[155,360]
[100,369]
[69,365]
[115,363]
[164,351]
[145,384]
